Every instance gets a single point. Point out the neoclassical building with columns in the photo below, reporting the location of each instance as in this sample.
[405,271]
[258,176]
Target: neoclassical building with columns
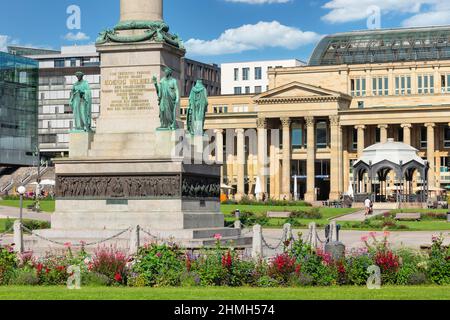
[301,137]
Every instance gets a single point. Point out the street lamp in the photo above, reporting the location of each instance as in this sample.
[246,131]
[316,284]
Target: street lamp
[21,190]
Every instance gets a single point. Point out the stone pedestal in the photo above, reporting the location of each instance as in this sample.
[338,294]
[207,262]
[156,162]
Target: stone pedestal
[80,143]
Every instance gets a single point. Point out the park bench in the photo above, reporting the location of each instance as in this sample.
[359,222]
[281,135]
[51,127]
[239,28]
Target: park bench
[408,216]
[278,214]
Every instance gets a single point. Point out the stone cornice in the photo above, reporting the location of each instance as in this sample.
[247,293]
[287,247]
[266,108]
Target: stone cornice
[310,99]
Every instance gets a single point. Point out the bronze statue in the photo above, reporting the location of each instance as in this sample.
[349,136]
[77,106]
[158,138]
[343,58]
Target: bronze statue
[168,100]
[81,103]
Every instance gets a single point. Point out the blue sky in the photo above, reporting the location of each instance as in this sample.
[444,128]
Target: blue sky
[221,30]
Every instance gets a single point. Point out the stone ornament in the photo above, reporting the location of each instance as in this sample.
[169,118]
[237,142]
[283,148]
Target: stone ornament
[124,187]
[155,31]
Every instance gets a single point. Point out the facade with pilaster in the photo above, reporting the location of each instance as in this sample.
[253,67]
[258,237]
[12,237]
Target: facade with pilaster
[301,137]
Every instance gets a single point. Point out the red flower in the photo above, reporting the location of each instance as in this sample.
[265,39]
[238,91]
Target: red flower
[47,270]
[341,268]
[227,260]
[118,277]
[298,268]
[39,267]
[61,268]
[188,263]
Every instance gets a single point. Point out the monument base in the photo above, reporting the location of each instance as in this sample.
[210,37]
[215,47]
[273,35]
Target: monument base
[98,198]
[80,143]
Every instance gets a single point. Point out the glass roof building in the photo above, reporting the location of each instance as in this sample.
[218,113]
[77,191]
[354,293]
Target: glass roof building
[383,46]
[18,110]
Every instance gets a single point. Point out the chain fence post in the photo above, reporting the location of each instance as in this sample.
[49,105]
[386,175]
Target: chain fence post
[313,232]
[134,240]
[257,250]
[18,236]
[237,223]
[334,232]
[287,232]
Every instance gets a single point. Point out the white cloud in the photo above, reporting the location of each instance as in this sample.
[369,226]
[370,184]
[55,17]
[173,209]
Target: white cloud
[80,36]
[252,37]
[4,43]
[259,1]
[438,14]
[354,10]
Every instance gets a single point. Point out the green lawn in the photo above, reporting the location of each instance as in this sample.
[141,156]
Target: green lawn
[312,293]
[46,205]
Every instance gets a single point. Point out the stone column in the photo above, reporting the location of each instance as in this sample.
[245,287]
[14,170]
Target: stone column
[383,132]
[240,163]
[286,178]
[141,10]
[335,158]
[361,143]
[310,195]
[219,151]
[406,133]
[262,154]
[430,154]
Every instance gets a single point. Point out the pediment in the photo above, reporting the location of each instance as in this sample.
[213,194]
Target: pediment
[299,91]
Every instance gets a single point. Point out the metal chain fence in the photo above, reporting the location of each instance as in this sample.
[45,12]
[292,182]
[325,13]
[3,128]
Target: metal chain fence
[76,245]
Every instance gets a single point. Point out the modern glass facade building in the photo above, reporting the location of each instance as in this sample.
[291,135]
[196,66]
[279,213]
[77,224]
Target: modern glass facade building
[18,110]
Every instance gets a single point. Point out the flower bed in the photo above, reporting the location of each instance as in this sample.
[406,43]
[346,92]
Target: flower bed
[162,265]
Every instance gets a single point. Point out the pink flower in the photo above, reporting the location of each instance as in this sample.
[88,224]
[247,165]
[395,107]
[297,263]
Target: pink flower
[364,238]
[67,244]
[387,234]
[218,236]
[373,234]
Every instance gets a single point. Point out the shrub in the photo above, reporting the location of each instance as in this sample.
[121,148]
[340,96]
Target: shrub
[300,280]
[314,213]
[405,273]
[389,264]
[8,261]
[282,266]
[95,279]
[248,218]
[439,262]
[266,282]
[24,277]
[110,262]
[159,264]
[52,270]
[357,269]
[30,224]
[417,278]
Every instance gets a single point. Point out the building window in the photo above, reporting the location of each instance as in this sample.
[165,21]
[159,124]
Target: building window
[245,73]
[358,87]
[403,85]
[258,73]
[425,84]
[377,135]
[380,86]
[237,90]
[355,139]
[445,164]
[236,74]
[423,137]
[59,63]
[445,83]
[400,134]
[446,137]
[258,89]
[297,136]
[247,90]
[322,135]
